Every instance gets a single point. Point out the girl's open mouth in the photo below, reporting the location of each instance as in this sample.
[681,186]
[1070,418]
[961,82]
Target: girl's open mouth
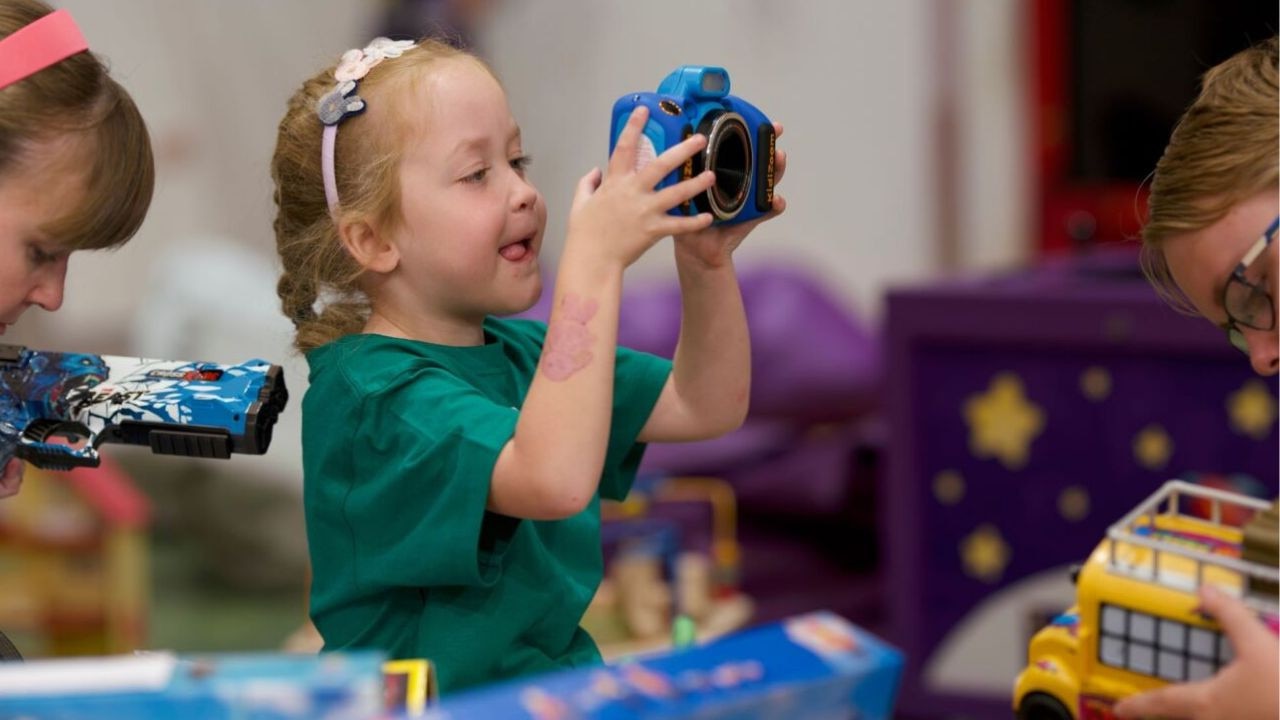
[518,250]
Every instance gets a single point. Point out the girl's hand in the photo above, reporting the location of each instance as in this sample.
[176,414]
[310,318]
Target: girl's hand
[1245,689]
[622,215]
[11,480]
[714,245]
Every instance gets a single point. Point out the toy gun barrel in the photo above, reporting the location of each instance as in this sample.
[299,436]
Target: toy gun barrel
[57,408]
[209,441]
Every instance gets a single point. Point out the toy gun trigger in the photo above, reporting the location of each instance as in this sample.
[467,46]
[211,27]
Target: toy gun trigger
[57,445]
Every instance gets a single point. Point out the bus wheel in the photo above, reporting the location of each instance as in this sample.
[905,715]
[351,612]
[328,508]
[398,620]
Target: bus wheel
[1040,706]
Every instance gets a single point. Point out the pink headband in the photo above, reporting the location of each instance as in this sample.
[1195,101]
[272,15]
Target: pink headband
[341,103]
[50,39]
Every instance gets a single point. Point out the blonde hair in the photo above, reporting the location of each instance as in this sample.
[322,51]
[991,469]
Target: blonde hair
[77,96]
[366,165]
[1222,151]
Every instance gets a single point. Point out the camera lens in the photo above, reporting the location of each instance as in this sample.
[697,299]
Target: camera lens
[728,154]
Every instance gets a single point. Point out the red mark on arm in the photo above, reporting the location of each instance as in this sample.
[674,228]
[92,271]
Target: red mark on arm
[568,345]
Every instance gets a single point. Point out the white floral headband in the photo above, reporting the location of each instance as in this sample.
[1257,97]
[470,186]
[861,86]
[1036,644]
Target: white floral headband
[341,103]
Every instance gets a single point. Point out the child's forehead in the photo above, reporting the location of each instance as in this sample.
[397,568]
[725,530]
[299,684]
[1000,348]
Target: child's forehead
[457,105]
[52,163]
[461,85]
[55,152]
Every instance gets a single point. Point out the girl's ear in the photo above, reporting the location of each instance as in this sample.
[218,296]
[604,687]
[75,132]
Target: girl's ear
[371,249]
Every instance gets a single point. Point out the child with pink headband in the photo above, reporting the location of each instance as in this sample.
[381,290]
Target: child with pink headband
[76,170]
[454,461]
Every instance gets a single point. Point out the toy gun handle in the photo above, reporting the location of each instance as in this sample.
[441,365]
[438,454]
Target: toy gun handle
[64,444]
[52,444]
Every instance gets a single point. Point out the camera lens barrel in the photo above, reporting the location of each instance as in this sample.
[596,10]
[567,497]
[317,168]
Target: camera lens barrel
[728,154]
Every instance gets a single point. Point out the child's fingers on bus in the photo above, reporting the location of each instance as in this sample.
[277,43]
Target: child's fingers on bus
[1173,701]
[1240,623]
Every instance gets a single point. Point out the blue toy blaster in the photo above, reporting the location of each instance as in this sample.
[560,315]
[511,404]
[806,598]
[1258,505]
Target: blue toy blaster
[740,141]
[57,408]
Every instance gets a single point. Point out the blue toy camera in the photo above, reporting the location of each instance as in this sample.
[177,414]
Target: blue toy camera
[740,141]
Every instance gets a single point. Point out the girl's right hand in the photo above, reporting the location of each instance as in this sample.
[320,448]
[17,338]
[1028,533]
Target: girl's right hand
[621,215]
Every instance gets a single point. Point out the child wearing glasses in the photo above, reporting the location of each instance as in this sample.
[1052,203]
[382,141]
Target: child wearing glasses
[1209,246]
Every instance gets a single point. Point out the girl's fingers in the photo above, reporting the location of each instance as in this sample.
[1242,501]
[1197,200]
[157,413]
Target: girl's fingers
[586,187]
[624,152]
[674,157]
[685,190]
[685,224]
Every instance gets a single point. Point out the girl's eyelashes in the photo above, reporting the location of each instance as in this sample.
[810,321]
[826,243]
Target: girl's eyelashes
[39,256]
[519,163]
[476,177]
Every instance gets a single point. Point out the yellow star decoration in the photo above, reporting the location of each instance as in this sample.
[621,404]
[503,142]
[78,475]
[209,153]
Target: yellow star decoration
[1002,422]
[1252,410]
[1073,503]
[1152,447]
[1095,383]
[985,554]
[948,487]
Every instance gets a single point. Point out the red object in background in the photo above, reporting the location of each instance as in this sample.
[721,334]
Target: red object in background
[1108,81]
[1235,515]
[109,490]
[1069,212]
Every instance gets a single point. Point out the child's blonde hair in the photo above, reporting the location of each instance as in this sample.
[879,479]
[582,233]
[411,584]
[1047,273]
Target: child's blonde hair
[366,166]
[1223,151]
[77,96]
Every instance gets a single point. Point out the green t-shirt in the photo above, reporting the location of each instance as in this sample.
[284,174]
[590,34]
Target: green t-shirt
[399,440]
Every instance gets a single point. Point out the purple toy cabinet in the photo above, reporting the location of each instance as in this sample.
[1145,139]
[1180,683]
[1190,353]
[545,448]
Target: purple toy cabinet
[1027,413]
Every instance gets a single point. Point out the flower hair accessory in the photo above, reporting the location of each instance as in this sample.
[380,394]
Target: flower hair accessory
[341,102]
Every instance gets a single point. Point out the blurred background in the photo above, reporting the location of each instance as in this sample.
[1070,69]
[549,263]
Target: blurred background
[961,376]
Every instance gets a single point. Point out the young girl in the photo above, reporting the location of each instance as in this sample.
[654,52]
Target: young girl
[76,170]
[453,461]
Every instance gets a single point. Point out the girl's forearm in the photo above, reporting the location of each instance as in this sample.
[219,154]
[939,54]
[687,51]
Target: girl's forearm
[712,365]
[552,464]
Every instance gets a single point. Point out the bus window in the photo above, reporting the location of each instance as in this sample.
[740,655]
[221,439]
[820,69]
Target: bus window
[1159,647]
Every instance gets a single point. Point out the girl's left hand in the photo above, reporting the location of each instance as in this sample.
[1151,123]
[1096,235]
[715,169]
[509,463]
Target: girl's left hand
[714,245]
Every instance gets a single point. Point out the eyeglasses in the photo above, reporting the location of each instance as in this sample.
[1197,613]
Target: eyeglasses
[1247,302]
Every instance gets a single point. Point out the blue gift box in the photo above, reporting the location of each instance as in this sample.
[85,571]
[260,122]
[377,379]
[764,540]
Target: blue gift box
[163,686]
[816,665]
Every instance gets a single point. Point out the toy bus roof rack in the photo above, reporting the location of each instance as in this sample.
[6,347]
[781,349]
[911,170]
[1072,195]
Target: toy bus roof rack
[1166,501]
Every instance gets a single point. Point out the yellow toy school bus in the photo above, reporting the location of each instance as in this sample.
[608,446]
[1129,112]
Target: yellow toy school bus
[1135,625]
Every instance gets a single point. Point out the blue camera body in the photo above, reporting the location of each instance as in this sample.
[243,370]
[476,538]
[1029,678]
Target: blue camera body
[740,141]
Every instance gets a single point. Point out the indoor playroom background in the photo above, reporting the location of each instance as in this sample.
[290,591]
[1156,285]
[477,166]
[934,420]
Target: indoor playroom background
[960,376]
